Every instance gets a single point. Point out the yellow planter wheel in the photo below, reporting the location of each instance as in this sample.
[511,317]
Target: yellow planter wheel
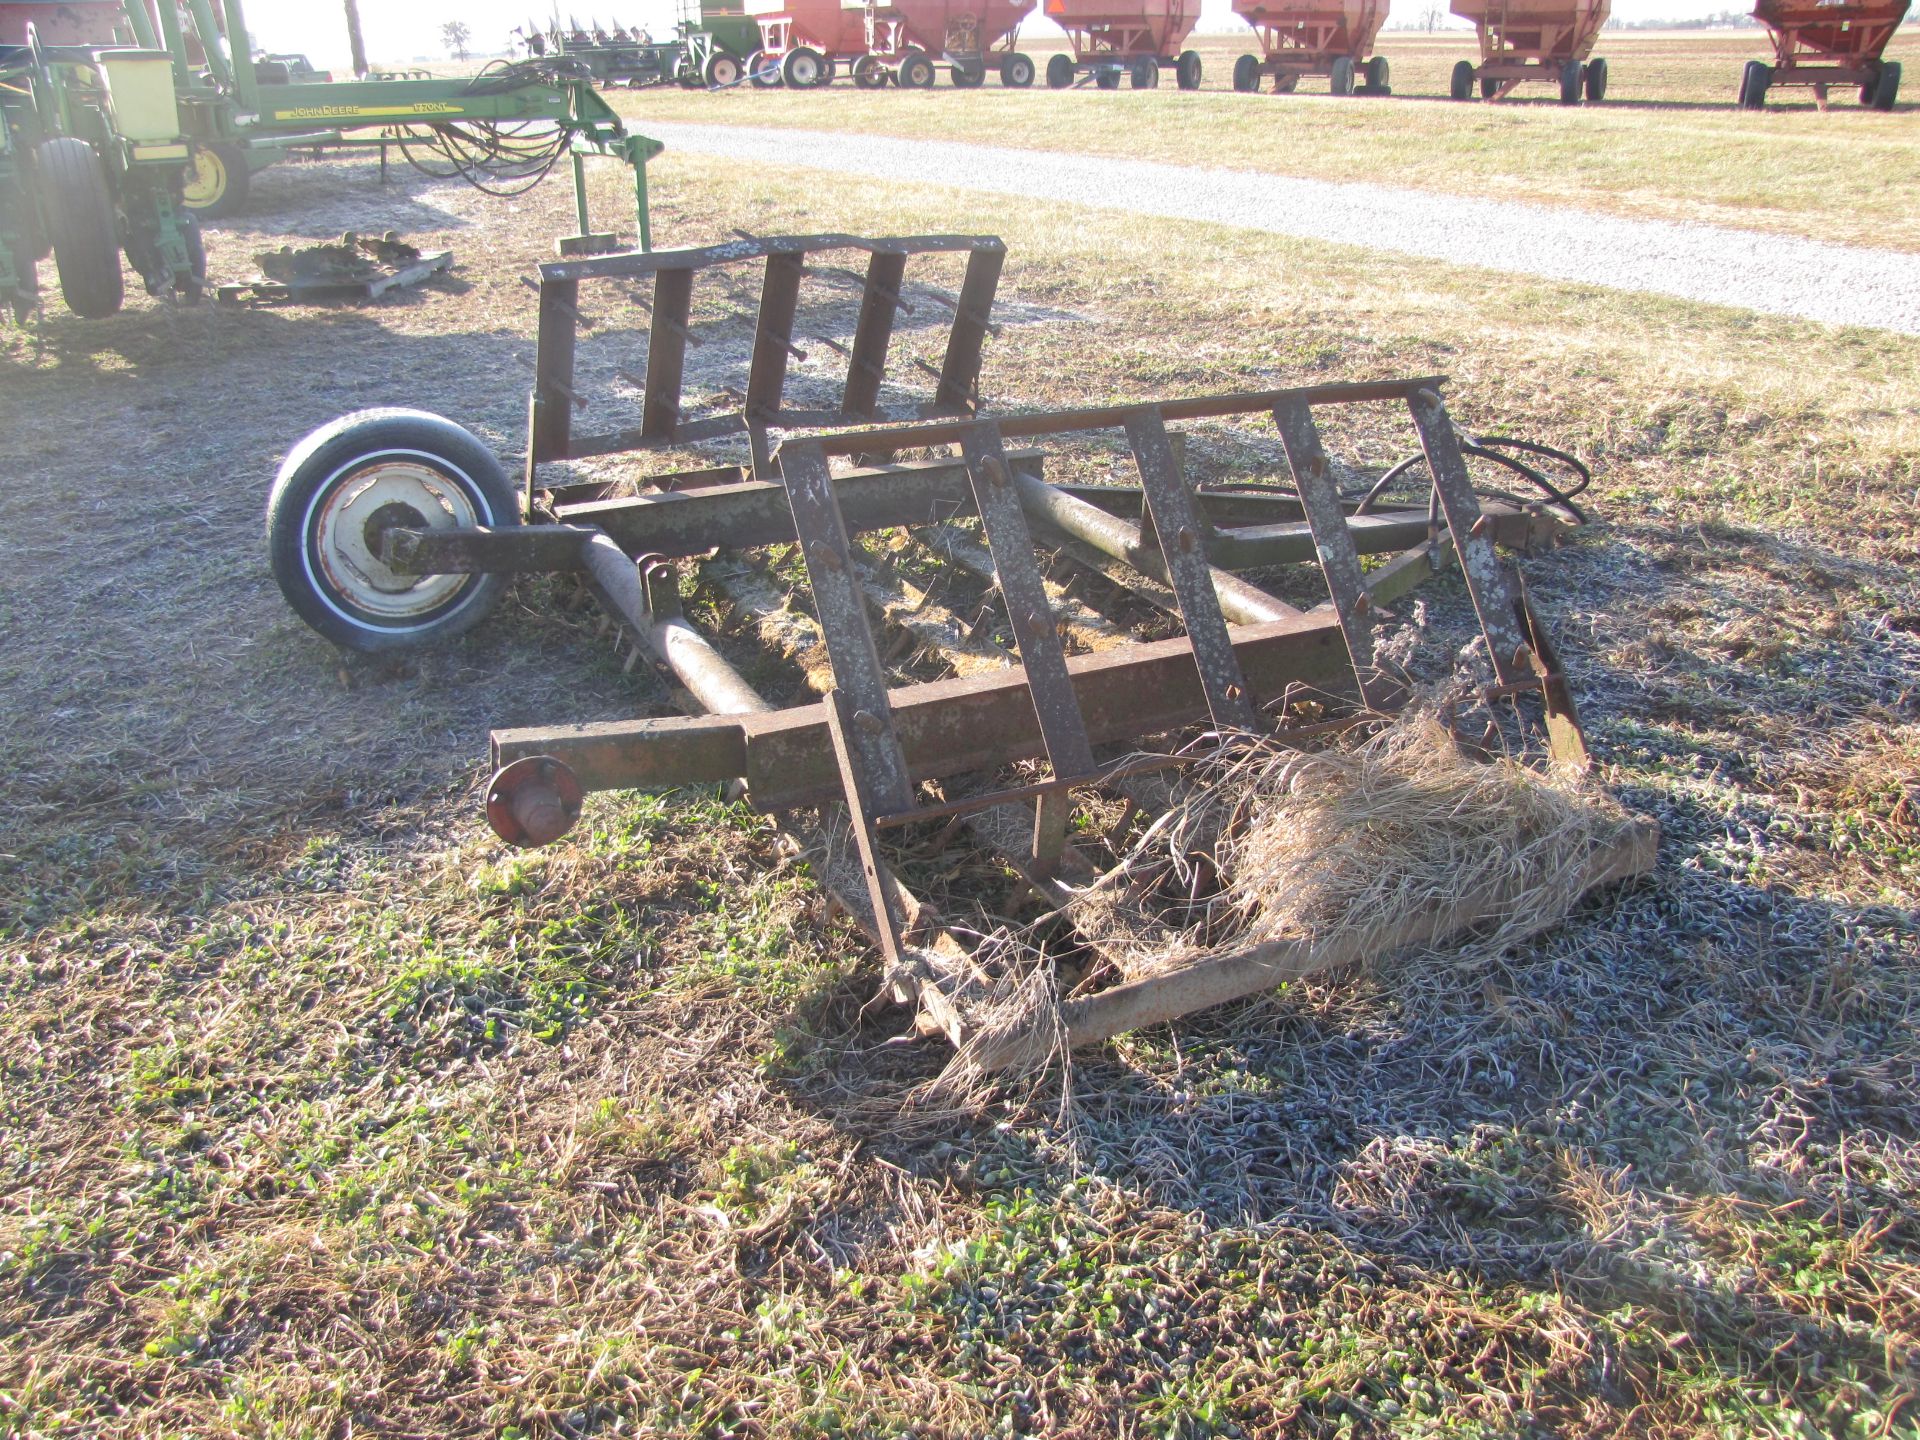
[217,180]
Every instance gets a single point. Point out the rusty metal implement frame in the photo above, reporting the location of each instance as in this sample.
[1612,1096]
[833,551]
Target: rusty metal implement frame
[870,757]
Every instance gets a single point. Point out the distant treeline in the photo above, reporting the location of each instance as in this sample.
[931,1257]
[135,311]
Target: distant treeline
[1725,20]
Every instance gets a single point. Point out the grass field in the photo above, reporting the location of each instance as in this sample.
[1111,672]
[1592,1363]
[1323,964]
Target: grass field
[1667,142]
[325,1115]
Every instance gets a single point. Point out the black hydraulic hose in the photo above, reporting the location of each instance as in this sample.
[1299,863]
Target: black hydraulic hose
[1489,448]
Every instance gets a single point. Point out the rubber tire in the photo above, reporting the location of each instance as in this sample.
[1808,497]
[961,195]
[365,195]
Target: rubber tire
[1246,74]
[232,199]
[762,72]
[1888,89]
[801,68]
[1379,76]
[1016,71]
[965,77]
[869,73]
[83,225]
[1488,88]
[1187,70]
[915,71]
[1596,81]
[1867,90]
[1753,85]
[1462,83]
[1286,84]
[1144,73]
[321,460]
[1573,80]
[1060,70]
[724,70]
[1340,80]
[1107,77]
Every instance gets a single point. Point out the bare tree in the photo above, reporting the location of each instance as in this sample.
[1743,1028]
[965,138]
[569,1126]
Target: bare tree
[456,34]
[354,42]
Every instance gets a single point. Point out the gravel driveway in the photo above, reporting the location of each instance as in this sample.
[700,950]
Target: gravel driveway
[1773,274]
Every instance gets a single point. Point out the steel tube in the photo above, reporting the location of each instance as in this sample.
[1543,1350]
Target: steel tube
[1240,602]
[678,645]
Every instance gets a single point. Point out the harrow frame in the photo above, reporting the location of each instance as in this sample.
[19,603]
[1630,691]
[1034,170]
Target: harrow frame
[871,757]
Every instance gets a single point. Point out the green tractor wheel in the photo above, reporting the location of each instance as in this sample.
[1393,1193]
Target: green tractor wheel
[217,181]
[82,224]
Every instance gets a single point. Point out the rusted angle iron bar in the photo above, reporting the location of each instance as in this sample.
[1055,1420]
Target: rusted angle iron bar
[947,727]
[1102,417]
[700,257]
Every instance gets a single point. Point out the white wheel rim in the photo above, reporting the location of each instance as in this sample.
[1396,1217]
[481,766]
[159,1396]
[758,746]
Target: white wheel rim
[339,543]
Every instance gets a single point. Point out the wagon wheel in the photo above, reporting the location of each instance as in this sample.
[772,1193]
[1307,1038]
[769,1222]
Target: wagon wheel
[801,69]
[869,73]
[764,69]
[1378,74]
[1340,79]
[1187,70]
[915,72]
[344,487]
[1596,81]
[1286,83]
[1107,77]
[1060,70]
[1462,86]
[1753,84]
[1867,88]
[1888,88]
[967,74]
[82,224]
[1489,87]
[217,180]
[1144,73]
[1573,79]
[1246,74]
[1016,71]
[723,70]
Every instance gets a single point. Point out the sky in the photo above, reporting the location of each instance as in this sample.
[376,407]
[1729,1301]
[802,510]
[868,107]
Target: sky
[406,30]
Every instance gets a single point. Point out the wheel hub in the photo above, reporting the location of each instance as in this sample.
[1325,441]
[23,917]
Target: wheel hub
[350,531]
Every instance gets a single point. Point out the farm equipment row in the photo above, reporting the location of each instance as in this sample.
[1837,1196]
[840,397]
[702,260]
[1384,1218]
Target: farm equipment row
[966,642]
[112,147]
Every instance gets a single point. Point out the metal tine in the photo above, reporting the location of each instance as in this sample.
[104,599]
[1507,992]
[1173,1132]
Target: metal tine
[572,312]
[856,281]
[973,393]
[952,306]
[842,350]
[786,341]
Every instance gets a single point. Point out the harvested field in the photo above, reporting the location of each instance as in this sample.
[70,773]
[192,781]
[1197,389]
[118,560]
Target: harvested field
[327,1115]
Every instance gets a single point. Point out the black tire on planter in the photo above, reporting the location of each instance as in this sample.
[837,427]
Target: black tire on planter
[1060,70]
[1144,73]
[1596,81]
[1016,71]
[916,71]
[1888,90]
[1378,74]
[1573,79]
[82,225]
[218,181]
[1246,74]
[801,69]
[1187,70]
[1462,85]
[1340,82]
[723,70]
[318,539]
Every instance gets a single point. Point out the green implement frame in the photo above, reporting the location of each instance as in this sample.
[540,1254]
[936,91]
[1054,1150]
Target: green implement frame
[504,128]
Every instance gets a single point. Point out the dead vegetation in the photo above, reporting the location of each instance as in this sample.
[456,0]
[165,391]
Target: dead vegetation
[323,1115]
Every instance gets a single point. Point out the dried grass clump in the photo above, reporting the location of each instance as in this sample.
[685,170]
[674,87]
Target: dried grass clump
[1273,863]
